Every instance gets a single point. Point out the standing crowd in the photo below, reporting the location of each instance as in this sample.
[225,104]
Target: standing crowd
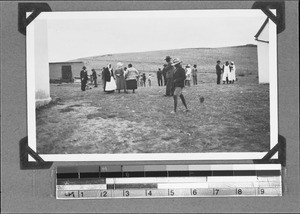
[227,71]
[173,76]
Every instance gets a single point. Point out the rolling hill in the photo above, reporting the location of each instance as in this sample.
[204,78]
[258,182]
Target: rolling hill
[245,58]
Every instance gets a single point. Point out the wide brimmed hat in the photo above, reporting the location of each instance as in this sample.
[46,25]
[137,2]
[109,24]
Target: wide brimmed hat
[188,65]
[168,57]
[83,67]
[232,62]
[176,61]
[119,64]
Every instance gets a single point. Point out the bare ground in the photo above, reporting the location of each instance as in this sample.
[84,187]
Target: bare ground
[232,118]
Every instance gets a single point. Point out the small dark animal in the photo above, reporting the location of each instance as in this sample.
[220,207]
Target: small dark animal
[201,99]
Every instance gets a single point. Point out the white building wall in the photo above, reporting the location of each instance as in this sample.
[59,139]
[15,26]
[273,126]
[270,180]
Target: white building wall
[263,62]
[263,55]
[38,85]
[41,68]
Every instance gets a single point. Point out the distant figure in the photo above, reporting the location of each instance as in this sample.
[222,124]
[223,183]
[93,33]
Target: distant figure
[226,70]
[103,77]
[131,78]
[159,77]
[179,78]
[94,77]
[218,71]
[164,75]
[232,76]
[120,79]
[169,69]
[110,84]
[149,80]
[188,73]
[141,80]
[194,75]
[83,78]
[144,79]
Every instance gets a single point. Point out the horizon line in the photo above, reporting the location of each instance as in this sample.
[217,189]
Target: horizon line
[103,55]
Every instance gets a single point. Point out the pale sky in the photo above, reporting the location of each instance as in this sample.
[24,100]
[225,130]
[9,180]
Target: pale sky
[74,35]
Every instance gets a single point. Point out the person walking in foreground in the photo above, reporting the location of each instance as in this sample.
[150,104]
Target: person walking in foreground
[94,76]
[169,69]
[194,74]
[120,79]
[159,77]
[83,78]
[178,79]
[226,72]
[131,78]
[218,71]
[110,84]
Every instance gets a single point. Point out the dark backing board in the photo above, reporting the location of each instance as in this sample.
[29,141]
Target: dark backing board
[33,190]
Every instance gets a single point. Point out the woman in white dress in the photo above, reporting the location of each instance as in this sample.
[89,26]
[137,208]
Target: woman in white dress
[232,72]
[110,84]
[226,71]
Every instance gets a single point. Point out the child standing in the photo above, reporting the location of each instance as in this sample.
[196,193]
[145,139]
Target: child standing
[149,80]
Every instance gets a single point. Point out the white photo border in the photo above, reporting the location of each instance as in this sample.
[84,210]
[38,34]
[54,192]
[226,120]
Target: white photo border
[31,118]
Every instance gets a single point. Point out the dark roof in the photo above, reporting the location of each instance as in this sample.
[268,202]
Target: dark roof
[70,62]
[261,28]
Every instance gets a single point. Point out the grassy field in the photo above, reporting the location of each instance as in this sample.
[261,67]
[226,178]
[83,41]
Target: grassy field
[232,118]
[244,57]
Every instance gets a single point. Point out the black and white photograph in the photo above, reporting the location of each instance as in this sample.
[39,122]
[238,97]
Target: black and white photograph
[152,85]
[149,106]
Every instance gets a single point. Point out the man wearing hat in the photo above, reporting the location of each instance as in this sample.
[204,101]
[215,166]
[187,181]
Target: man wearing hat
[83,77]
[169,70]
[178,80]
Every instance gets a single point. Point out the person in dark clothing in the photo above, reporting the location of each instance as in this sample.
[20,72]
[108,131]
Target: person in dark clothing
[164,75]
[218,71]
[103,77]
[83,78]
[94,77]
[159,77]
[169,69]
[144,79]
[110,84]
[178,80]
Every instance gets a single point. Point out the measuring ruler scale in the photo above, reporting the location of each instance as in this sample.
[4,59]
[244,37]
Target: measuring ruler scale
[146,181]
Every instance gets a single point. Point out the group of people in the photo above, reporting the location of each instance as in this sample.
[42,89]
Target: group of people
[227,71]
[143,79]
[191,74]
[173,76]
[175,80]
[123,78]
